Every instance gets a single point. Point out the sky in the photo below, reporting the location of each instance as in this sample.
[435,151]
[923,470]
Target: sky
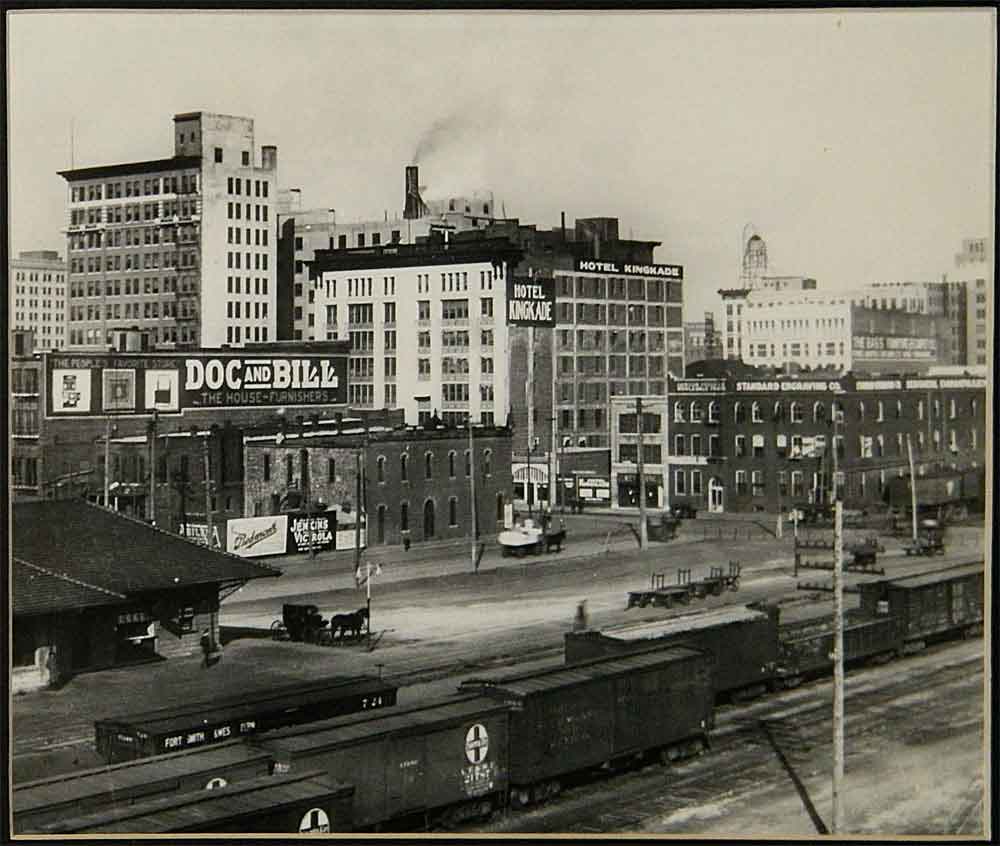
[859,144]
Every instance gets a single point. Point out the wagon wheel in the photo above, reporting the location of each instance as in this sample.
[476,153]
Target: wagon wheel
[278,630]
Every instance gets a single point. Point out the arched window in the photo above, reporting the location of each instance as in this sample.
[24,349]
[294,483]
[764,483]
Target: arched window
[879,411]
[380,468]
[403,461]
[952,409]
[819,412]
[795,413]
[488,462]
[404,516]
[973,406]
[739,413]
[695,412]
[838,411]
[937,407]
[451,465]
[453,511]
[713,412]
[920,409]
[899,409]
[678,412]
[861,409]
[779,412]
[755,413]
[428,465]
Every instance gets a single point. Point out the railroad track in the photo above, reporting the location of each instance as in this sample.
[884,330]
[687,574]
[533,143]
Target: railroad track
[798,723]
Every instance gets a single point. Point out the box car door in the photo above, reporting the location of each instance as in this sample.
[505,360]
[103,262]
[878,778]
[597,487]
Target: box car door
[405,770]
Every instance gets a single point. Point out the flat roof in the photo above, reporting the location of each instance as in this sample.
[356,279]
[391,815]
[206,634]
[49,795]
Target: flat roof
[684,623]
[367,724]
[938,576]
[84,784]
[124,169]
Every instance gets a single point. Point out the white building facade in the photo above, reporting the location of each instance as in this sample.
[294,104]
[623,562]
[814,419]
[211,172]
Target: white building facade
[183,247]
[974,268]
[427,328]
[37,284]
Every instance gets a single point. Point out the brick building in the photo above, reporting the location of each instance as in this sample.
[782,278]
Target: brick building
[751,443]
[416,479]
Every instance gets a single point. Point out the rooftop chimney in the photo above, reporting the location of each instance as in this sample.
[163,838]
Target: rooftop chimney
[414,207]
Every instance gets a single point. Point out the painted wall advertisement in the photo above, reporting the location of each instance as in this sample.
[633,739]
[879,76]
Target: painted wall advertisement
[139,383]
[889,347]
[531,302]
[282,534]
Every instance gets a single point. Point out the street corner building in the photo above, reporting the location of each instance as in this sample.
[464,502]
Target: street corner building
[93,589]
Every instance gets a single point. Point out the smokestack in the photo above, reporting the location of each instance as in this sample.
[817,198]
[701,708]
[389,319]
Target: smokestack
[414,207]
[563,225]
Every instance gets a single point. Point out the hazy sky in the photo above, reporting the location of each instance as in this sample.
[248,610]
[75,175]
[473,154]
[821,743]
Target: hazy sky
[859,143]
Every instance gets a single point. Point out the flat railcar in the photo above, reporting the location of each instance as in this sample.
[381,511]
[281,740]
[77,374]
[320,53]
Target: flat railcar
[202,723]
[36,803]
[424,765]
[743,641]
[277,804]
[602,713]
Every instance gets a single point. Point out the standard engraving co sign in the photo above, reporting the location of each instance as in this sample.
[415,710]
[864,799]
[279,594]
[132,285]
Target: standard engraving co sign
[531,302]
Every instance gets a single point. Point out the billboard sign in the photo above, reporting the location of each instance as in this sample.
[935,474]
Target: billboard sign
[95,384]
[252,536]
[894,347]
[531,302]
[618,268]
[316,531]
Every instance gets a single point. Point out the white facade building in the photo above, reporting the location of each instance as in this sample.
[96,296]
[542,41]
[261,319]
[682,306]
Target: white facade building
[182,248]
[37,288]
[428,331]
[974,267]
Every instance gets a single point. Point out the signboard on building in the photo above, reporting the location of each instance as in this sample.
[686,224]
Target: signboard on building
[531,302]
[891,347]
[249,537]
[699,386]
[95,384]
[618,268]
[311,532]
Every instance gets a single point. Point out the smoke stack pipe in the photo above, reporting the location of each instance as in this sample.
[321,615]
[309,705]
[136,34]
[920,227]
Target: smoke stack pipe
[563,225]
[413,207]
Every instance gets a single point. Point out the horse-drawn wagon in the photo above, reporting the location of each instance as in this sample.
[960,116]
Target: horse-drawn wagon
[527,538]
[304,624]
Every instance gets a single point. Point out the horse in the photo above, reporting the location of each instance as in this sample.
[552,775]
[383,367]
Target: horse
[352,623]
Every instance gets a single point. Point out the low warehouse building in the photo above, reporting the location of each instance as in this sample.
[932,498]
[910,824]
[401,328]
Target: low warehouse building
[92,589]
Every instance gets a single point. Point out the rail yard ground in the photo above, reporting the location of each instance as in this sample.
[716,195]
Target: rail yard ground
[915,727]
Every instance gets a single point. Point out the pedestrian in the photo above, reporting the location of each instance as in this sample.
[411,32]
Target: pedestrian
[52,665]
[580,621]
[206,647]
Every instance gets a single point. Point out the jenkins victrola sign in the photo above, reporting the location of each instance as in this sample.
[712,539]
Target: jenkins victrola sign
[88,384]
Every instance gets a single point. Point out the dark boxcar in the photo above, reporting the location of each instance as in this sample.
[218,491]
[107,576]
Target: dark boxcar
[203,723]
[742,640]
[407,761]
[71,794]
[290,804]
[807,650]
[572,718]
[936,604]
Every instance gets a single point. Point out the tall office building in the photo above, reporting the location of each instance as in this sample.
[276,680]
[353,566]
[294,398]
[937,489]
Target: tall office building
[37,287]
[974,271]
[182,247]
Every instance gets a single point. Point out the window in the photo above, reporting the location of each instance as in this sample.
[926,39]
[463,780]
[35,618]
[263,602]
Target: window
[331,470]
[757,482]
[758,446]
[713,412]
[880,411]
[428,465]
[678,412]
[246,159]
[488,462]
[680,445]
[451,465]
[453,511]
[289,470]
[819,412]
[218,155]
[695,412]
[679,486]
[741,482]
[795,413]
[741,446]
[739,413]
[404,516]
[920,409]
[696,482]
[403,461]
[755,413]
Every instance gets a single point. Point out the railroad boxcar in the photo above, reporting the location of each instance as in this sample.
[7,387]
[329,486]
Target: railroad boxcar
[602,712]
[47,800]
[807,650]
[932,605]
[743,640]
[439,762]
[289,804]
[202,723]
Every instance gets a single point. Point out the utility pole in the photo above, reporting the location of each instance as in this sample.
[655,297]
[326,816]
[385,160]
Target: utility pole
[913,486]
[643,537]
[529,388]
[838,643]
[553,458]
[472,494]
[357,514]
[208,491]
[152,468]
[107,461]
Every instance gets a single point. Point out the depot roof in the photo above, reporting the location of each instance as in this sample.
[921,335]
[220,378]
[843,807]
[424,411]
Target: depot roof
[73,554]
